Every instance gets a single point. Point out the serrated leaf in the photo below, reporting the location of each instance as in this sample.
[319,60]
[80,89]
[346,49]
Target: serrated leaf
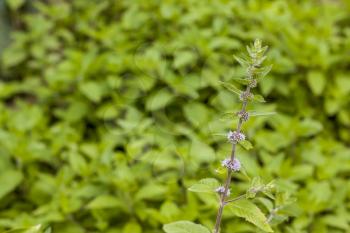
[184,227]
[251,213]
[207,185]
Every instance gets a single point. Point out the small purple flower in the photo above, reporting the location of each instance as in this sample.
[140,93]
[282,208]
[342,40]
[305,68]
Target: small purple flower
[234,136]
[244,115]
[221,190]
[234,165]
[245,95]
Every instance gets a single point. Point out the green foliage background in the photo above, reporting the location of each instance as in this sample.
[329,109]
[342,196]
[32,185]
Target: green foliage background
[111,109]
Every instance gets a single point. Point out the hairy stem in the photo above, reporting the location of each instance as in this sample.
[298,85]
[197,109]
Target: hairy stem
[229,172]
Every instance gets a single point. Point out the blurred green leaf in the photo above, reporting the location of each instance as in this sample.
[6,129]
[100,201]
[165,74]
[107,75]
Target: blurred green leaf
[207,185]
[246,144]
[158,100]
[15,4]
[316,81]
[184,227]
[105,202]
[9,180]
[34,229]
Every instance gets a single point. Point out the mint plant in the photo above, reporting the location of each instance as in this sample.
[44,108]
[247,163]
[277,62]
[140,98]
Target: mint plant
[243,205]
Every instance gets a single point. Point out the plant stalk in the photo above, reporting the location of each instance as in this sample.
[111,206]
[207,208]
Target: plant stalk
[229,172]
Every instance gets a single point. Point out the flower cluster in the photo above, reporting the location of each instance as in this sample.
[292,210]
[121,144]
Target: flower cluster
[235,136]
[234,165]
[243,115]
[253,83]
[221,190]
[245,95]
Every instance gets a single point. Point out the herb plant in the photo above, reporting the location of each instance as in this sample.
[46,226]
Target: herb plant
[241,206]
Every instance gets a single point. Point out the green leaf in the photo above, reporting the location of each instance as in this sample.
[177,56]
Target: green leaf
[241,61]
[132,227]
[339,221]
[284,199]
[15,4]
[253,113]
[309,127]
[246,144]
[92,90]
[251,213]
[12,57]
[257,186]
[184,227]
[105,202]
[262,72]
[241,80]
[158,100]
[221,170]
[183,59]
[34,229]
[343,83]
[201,152]
[258,98]
[9,180]
[231,87]
[196,113]
[207,185]
[228,115]
[151,192]
[317,82]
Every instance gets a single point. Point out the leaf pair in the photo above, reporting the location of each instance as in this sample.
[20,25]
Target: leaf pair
[229,115]
[241,208]
[232,88]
